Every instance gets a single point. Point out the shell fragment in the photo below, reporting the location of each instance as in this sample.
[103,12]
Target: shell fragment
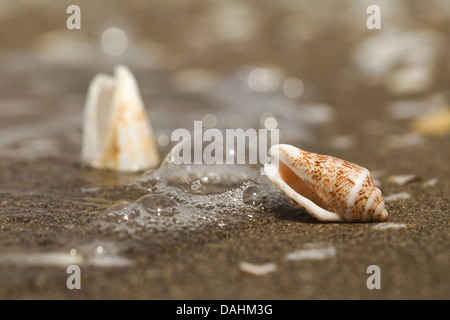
[117,134]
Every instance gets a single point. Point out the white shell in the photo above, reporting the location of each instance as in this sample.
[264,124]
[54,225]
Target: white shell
[116,132]
[328,188]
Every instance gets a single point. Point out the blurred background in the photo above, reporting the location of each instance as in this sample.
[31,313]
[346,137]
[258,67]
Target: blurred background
[290,64]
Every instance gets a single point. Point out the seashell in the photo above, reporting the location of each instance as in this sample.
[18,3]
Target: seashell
[403,179]
[328,188]
[312,251]
[117,134]
[256,269]
[398,196]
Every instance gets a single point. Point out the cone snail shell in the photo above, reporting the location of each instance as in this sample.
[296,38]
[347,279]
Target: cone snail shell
[328,188]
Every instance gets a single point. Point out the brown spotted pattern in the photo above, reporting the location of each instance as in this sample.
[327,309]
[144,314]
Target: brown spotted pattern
[343,187]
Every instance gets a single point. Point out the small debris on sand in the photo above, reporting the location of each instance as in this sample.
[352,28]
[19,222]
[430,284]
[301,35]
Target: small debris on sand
[257,270]
[312,252]
[431,182]
[397,196]
[403,179]
[389,225]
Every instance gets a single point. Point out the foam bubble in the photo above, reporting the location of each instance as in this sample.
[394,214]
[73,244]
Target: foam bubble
[158,204]
[254,195]
[187,197]
[121,212]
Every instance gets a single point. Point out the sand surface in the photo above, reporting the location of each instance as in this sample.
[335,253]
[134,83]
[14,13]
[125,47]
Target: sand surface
[49,202]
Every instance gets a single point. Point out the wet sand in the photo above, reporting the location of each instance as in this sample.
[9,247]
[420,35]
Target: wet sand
[47,205]
[49,202]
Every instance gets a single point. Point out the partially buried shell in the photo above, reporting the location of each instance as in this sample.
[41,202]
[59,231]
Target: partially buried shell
[117,134]
[328,188]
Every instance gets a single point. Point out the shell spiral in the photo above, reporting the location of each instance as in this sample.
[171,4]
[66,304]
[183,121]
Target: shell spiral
[328,188]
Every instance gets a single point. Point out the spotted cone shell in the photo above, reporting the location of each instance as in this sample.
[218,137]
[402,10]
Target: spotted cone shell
[328,188]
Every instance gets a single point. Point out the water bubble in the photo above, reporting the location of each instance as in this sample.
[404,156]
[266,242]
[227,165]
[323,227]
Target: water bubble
[194,210]
[158,204]
[253,195]
[207,177]
[121,212]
